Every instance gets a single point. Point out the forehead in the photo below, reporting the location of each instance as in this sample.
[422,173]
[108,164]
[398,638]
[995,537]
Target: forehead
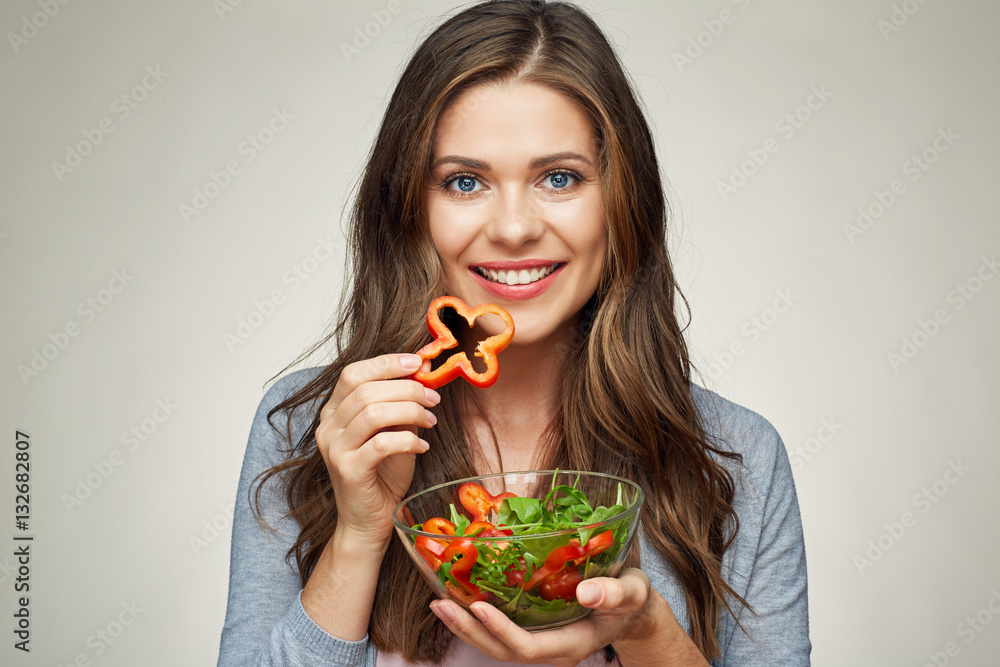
[516,120]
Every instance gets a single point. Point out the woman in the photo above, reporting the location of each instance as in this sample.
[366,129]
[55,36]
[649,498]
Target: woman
[513,166]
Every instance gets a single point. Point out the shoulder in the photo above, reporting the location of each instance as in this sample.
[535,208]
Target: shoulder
[766,563]
[735,428]
[762,477]
[269,434]
[287,385]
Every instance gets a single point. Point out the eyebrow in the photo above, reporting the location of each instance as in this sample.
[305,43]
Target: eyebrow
[536,163]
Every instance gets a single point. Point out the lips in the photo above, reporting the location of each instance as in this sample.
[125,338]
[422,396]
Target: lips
[516,276]
[517,279]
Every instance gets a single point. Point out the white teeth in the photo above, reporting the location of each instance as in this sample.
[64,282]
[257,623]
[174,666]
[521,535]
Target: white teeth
[522,277]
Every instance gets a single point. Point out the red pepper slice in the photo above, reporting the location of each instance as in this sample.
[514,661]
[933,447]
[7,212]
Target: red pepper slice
[439,526]
[467,550]
[499,531]
[480,502]
[432,551]
[571,554]
[554,562]
[463,596]
[461,569]
[435,552]
[444,339]
[478,528]
[597,544]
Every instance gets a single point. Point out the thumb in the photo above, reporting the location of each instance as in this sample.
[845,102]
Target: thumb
[629,591]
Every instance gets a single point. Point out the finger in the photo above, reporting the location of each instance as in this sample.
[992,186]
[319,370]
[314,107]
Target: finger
[384,367]
[469,630]
[626,593]
[384,391]
[382,446]
[573,642]
[378,416]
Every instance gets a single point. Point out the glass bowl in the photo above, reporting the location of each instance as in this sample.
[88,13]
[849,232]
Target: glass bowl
[528,560]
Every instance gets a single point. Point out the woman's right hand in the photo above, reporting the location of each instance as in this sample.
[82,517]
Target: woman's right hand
[367,436]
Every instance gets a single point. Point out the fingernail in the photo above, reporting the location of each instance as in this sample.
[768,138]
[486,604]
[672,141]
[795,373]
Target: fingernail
[432,396]
[588,594]
[424,444]
[480,613]
[430,417]
[410,361]
[444,612]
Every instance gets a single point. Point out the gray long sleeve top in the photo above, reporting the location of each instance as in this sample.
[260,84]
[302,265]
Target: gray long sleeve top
[266,625]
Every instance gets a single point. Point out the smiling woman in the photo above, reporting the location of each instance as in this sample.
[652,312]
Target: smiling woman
[519,218]
[513,165]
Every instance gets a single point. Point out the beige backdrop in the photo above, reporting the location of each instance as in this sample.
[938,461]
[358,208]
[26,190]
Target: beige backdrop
[174,176]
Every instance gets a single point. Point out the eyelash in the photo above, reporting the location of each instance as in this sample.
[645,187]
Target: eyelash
[446,183]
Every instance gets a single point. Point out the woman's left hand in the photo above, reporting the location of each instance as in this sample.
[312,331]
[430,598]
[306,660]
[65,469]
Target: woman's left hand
[627,614]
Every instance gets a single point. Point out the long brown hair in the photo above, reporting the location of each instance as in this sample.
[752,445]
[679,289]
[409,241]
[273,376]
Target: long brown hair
[626,406]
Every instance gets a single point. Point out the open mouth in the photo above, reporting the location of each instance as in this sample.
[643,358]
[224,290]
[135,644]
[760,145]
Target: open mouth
[516,277]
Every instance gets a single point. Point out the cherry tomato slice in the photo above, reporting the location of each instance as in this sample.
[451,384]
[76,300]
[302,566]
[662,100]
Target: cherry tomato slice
[562,585]
[515,573]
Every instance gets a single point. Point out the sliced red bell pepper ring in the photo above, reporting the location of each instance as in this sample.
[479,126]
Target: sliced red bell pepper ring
[444,339]
[435,554]
[554,562]
[499,531]
[464,596]
[431,550]
[572,554]
[478,528]
[479,502]
[461,569]
[439,526]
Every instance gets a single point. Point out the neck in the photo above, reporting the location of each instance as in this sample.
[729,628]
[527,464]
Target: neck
[520,407]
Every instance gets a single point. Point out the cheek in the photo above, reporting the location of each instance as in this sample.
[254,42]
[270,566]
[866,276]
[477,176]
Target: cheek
[450,233]
[583,228]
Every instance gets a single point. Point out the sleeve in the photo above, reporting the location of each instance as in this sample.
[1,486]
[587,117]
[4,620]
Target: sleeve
[266,625]
[776,587]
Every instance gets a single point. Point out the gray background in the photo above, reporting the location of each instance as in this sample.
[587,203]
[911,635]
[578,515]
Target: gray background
[866,433]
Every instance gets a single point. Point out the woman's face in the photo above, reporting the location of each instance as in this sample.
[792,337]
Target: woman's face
[515,205]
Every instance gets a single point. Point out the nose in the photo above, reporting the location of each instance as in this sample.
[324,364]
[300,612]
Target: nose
[516,221]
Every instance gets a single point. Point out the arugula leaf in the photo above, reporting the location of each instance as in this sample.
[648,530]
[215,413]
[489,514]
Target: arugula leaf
[444,574]
[575,500]
[541,604]
[527,510]
[532,562]
[599,515]
[460,520]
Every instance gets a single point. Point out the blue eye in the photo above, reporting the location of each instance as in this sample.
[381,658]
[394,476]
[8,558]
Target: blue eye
[560,180]
[466,184]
